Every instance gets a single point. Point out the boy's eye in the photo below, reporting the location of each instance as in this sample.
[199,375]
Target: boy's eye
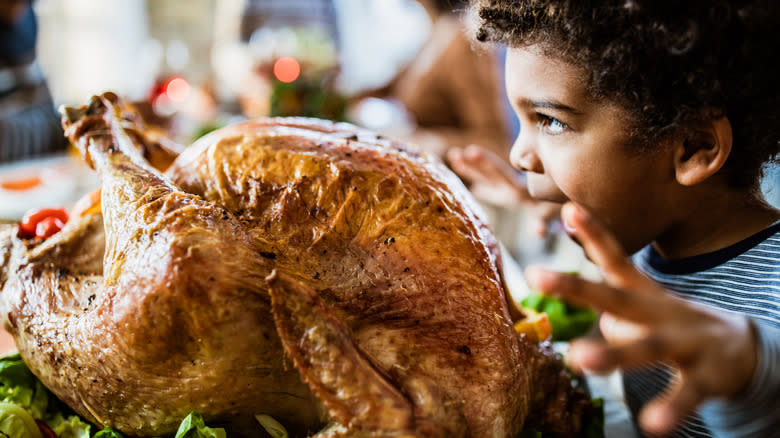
[551,125]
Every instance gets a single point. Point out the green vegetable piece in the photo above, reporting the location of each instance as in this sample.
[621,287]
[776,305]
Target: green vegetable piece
[567,321]
[533,301]
[68,427]
[19,386]
[108,432]
[15,422]
[194,427]
[273,427]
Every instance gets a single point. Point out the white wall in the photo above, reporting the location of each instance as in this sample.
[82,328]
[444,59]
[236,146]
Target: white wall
[87,46]
[378,38]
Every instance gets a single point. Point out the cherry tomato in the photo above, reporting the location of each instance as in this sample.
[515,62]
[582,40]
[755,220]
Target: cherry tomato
[48,226]
[29,224]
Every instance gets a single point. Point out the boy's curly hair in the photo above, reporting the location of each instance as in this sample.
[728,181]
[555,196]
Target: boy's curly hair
[668,62]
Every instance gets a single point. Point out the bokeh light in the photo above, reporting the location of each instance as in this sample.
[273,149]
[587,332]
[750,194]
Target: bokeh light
[287,69]
[177,89]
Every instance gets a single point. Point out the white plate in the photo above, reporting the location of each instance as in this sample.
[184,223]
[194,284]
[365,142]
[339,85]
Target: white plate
[63,180]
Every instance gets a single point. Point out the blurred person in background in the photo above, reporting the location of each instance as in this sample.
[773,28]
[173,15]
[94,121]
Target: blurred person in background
[29,124]
[452,92]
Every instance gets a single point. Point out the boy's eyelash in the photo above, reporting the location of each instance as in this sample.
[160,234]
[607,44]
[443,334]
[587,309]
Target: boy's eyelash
[545,121]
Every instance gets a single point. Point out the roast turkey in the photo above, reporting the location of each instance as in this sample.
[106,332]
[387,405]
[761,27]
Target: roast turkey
[298,268]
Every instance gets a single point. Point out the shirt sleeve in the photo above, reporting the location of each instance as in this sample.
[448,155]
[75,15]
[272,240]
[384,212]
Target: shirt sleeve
[755,412]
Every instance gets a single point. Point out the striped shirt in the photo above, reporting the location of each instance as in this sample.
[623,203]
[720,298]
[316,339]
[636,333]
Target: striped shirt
[743,278]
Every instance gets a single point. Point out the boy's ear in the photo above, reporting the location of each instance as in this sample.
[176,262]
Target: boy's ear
[701,152]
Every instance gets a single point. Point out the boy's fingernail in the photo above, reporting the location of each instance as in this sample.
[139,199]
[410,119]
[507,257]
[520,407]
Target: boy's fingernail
[570,214]
[566,217]
[568,227]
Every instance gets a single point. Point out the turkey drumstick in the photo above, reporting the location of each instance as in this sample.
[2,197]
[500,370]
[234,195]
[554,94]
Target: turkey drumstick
[180,283]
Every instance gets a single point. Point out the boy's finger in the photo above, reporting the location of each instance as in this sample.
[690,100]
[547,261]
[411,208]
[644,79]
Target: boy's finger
[620,331]
[587,354]
[461,166]
[602,357]
[455,154]
[577,290]
[474,167]
[602,249]
[490,165]
[663,414]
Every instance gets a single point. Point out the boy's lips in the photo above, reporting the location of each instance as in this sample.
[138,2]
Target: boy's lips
[543,189]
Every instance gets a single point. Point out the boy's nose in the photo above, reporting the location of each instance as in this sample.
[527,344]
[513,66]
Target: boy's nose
[524,157]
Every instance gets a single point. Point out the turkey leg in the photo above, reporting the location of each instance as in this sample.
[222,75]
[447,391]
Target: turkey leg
[177,309]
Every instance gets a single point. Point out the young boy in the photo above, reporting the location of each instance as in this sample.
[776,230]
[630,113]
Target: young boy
[650,122]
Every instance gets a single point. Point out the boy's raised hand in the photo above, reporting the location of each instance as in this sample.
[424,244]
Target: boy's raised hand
[494,181]
[714,353]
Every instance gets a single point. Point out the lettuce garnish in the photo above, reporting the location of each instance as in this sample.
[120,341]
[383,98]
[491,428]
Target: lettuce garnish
[24,400]
[194,427]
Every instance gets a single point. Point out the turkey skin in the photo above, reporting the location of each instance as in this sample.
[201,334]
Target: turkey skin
[298,268]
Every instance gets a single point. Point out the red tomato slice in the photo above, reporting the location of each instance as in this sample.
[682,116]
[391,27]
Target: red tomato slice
[30,221]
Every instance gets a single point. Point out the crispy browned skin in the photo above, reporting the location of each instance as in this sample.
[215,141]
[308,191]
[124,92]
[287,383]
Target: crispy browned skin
[286,266]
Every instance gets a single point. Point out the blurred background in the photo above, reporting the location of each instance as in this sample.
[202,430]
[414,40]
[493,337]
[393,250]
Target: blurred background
[405,68]
[199,61]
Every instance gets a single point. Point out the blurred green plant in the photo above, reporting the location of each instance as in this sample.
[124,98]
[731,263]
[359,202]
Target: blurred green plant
[308,97]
